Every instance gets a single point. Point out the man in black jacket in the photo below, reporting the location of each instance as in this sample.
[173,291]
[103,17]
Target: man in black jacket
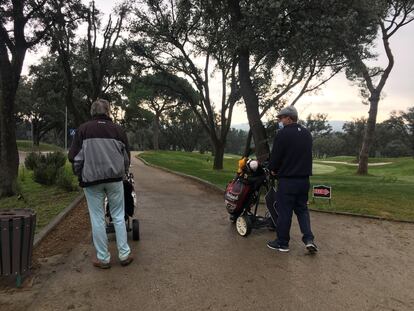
[100,158]
[291,163]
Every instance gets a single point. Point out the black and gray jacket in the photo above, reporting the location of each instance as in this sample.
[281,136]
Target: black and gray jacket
[99,152]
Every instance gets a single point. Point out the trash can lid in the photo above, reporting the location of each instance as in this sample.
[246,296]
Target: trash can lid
[16,213]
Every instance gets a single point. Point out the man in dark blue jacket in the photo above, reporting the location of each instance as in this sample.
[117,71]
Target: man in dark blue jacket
[291,163]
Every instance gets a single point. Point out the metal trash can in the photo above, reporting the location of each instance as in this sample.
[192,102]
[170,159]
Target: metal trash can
[17,228]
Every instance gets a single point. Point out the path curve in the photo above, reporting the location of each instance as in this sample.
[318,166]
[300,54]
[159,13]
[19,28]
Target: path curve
[190,258]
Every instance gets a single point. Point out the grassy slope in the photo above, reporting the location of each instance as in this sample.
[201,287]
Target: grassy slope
[26,146]
[387,192]
[47,201]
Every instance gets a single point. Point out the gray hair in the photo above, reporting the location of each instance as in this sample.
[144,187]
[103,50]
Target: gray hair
[100,106]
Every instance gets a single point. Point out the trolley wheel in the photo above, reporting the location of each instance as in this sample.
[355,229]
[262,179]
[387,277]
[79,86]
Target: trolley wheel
[243,225]
[135,229]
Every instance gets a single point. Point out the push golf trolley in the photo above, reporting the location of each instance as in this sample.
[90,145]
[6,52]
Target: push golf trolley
[243,195]
[132,224]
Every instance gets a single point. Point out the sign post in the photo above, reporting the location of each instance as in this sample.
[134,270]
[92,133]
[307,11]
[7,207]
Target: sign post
[322,192]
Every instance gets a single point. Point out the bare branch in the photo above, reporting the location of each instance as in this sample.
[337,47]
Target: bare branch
[314,88]
[390,57]
[4,36]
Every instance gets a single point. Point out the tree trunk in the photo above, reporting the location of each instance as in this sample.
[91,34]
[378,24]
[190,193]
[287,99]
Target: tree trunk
[218,155]
[77,119]
[64,60]
[252,108]
[247,148]
[368,136]
[36,133]
[156,132]
[9,156]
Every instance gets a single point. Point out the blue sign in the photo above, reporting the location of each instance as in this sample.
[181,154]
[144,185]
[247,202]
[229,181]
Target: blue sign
[72,132]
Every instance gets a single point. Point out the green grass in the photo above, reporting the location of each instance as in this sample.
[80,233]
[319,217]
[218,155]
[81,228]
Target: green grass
[26,146]
[47,201]
[387,192]
[354,160]
[194,164]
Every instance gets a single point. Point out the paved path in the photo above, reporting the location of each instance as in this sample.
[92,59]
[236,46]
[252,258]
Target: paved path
[351,164]
[191,258]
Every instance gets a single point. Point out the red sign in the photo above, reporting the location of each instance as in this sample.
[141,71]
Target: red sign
[322,191]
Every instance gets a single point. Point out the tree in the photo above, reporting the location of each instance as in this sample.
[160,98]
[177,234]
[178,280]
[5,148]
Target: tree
[402,124]
[235,141]
[100,59]
[137,122]
[354,131]
[318,124]
[182,129]
[397,14]
[40,99]
[177,90]
[149,93]
[250,97]
[97,65]
[330,144]
[62,36]
[23,24]
[408,118]
[177,38]
[300,37]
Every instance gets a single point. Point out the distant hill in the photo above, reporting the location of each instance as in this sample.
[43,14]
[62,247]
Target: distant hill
[336,125]
[241,126]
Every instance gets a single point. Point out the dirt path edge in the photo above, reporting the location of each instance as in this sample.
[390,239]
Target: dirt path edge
[55,221]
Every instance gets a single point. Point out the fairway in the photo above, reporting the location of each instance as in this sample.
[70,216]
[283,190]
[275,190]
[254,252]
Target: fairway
[321,169]
[386,192]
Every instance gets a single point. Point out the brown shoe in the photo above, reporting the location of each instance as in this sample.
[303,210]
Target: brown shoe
[101,265]
[127,261]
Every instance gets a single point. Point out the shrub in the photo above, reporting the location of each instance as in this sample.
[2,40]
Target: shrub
[56,159]
[32,160]
[45,174]
[47,166]
[65,180]
[22,173]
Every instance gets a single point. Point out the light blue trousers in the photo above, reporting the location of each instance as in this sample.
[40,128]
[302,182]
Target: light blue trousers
[95,196]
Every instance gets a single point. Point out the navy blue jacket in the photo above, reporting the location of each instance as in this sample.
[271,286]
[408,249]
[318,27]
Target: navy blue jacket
[292,152]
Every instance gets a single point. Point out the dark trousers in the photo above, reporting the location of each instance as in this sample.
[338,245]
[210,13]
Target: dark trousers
[292,196]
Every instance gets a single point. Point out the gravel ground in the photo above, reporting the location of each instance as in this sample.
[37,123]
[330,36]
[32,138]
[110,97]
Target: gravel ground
[191,258]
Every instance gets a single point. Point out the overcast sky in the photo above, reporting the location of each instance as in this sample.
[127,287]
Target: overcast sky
[338,98]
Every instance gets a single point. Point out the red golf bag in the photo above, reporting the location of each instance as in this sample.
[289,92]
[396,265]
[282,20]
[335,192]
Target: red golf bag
[236,194]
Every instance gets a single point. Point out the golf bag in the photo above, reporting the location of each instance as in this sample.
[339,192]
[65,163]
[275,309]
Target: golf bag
[129,198]
[237,192]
